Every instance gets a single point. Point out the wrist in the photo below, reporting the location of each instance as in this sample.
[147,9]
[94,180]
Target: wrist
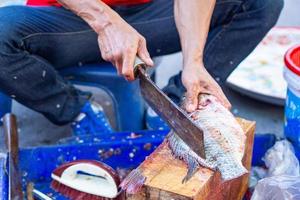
[100,22]
[96,13]
[193,57]
[193,62]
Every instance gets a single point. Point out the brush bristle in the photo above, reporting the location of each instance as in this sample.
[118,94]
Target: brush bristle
[73,194]
[134,182]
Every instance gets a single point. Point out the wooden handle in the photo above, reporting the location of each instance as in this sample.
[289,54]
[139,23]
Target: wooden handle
[12,145]
[139,67]
[138,61]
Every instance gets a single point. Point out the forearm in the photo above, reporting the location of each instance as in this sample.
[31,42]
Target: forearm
[192,19]
[119,43]
[96,13]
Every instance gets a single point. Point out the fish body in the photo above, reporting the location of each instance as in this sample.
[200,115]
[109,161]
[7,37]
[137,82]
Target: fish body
[224,140]
[224,143]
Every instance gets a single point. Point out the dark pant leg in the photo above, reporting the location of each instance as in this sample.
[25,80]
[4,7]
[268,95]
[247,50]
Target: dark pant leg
[155,21]
[231,42]
[35,41]
[236,29]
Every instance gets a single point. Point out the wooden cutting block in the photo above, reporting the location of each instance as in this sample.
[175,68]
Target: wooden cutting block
[164,176]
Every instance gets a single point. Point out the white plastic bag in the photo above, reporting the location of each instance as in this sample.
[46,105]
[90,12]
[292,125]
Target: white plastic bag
[283,180]
[278,188]
[281,160]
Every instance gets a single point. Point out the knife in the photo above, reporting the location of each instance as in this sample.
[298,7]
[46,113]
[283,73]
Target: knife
[176,118]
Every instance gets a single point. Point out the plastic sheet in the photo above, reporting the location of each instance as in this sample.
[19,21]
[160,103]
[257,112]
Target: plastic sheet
[283,178]
[281,160]
[278,188]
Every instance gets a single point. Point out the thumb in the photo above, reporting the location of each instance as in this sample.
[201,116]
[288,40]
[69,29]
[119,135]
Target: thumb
[191,102]
[227,103]
[143,52]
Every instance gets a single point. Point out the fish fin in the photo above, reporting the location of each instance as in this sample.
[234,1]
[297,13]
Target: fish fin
[181,151]
[193,166]
[134,182]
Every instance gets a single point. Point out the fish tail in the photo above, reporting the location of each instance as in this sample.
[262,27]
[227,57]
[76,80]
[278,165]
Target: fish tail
[134,182]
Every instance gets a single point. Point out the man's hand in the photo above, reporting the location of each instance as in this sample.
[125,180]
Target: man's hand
[197,80]
[120,44]
[193,28]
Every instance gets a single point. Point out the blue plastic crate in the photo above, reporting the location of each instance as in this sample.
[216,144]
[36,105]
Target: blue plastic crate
[123,150]
[262,142]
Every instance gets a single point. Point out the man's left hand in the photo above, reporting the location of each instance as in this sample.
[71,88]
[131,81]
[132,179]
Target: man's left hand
[197,80]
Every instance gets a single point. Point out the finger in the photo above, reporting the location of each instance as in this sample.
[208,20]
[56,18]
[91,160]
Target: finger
[219,94]
[228,104]
[119,66]
[143,52]
[191,102]
[102,48]
[105,49]
[225,102]
[116,50]
[128,62]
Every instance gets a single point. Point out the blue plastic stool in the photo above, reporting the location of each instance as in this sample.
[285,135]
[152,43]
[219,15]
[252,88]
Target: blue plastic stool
[5,105]
[127,100]
[126,96]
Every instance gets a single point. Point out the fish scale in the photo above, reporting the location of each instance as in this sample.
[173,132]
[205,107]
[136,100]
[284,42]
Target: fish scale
[224,139]
[224,142]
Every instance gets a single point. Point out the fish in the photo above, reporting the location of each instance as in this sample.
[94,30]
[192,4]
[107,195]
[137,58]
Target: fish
[224,144]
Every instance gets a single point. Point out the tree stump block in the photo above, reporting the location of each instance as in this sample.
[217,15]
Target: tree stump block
[164,176]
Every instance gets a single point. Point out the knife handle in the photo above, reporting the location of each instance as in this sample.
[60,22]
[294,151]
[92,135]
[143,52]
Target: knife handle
[139,67]
[138,61]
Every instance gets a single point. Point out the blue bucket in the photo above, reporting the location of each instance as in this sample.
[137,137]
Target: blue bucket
[292,105]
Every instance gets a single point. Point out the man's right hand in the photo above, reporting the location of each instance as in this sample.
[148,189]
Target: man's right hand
[120,44]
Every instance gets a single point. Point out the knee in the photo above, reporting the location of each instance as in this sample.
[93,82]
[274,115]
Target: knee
[273,10]
[269,12]
[11,25]
[9,19]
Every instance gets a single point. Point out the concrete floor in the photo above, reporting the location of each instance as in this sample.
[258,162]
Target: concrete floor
[35,130]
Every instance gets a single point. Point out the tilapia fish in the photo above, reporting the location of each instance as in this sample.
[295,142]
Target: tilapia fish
[224,142]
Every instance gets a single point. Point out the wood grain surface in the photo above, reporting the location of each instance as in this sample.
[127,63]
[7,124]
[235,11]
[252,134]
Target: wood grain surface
[164,177]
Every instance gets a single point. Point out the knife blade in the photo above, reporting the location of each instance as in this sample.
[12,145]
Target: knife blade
[176,118]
